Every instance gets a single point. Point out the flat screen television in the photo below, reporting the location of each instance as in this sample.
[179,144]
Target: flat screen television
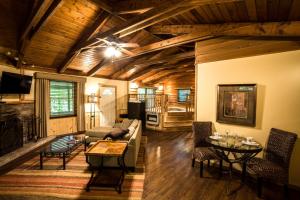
[12,83]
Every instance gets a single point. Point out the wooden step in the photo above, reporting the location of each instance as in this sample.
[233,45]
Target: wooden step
[186,123]
[178,118]
[180,114]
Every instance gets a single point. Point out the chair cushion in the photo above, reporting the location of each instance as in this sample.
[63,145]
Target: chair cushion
[267,169]
[204,153]
[116,134]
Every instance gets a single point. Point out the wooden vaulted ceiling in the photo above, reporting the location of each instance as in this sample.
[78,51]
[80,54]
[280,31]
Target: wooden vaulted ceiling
[51,35]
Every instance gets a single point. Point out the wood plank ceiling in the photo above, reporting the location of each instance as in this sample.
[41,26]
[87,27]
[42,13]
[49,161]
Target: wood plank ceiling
[53,35]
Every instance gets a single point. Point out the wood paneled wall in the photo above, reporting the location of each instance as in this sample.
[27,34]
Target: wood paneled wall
[173,83]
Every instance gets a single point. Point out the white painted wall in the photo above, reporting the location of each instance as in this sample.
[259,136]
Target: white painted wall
[278,95]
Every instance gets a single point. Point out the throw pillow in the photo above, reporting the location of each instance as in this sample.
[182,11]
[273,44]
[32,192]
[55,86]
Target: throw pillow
[117,125]
[116,134]
[126,123]
[130,133]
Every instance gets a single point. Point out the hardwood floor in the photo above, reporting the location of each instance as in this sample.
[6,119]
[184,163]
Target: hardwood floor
[169,174]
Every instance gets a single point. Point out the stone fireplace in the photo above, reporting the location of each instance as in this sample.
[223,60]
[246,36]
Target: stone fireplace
[17,125]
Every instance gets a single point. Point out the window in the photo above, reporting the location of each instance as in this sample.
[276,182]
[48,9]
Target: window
[62,99]
[143,92]
[183,94]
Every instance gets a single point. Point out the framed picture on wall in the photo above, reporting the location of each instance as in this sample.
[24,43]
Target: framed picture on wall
[236,104]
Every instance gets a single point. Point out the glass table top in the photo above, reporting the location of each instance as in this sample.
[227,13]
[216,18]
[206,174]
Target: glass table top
[234,143]
[61,144]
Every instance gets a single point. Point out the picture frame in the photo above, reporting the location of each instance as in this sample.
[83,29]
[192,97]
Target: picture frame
[236,104]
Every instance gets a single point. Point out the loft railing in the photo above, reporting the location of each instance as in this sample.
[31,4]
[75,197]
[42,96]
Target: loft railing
[164,103]
[173,103]
[153,102]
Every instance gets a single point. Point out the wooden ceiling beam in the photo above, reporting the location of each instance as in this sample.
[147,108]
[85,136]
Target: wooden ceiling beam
[130,66]
[143,74]
[155,47]
[105,6]
[165,74]
[140,73]
[175,75]
[276,29]
[49,12]
[134,6]
[161,68]
[151,17]
[99,22]
[36,15]
[137,23]
[95,69]
[175,57]
[286,29]
[243,48]
[138,64]
[45,9]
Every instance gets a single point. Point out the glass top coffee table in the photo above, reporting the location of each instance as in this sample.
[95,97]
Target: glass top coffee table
[61,147]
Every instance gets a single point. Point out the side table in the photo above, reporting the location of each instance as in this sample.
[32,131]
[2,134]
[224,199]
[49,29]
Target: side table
[106,148]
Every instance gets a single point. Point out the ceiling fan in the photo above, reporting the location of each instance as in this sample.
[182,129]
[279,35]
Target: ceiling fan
[112,49]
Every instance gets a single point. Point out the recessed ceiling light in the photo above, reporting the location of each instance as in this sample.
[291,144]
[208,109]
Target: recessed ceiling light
[8,53]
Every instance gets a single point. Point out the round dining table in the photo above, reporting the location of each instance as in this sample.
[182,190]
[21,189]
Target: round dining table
[234,149]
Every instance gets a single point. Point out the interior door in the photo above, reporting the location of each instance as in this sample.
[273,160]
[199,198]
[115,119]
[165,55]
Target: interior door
[107,105]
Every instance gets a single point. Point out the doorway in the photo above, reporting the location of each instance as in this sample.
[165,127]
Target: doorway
[108,106]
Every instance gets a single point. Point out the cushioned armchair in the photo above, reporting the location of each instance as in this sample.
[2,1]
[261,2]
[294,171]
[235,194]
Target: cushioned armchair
[276,159]
[201,151]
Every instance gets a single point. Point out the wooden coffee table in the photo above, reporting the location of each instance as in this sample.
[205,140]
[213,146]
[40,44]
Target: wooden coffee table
[106,148]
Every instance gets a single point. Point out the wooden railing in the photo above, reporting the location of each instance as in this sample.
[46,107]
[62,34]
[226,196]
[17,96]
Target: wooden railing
[164,103]
[172,104]
[153,103]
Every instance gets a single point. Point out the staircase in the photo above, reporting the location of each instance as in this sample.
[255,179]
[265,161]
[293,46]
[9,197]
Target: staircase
[178,121]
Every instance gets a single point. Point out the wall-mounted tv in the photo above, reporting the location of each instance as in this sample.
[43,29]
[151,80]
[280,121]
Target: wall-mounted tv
[12,83]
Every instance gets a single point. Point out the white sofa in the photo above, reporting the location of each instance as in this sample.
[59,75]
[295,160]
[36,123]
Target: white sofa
[132,152]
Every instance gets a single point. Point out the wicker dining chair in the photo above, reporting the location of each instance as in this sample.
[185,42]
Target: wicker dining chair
[201,151]
[276,160]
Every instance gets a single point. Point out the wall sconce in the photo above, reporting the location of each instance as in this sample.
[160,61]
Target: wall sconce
[92,98]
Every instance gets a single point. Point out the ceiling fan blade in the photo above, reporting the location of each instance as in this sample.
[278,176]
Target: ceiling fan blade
[128,45]
[129,53]
[105,41]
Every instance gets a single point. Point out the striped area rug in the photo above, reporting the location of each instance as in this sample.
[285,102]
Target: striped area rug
[28,182]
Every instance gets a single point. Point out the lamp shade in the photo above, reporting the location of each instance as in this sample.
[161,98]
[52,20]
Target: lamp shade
[92,98]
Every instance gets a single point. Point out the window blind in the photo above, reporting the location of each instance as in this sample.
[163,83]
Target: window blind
[62,98]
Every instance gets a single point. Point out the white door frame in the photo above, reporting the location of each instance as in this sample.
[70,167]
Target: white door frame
[112,86]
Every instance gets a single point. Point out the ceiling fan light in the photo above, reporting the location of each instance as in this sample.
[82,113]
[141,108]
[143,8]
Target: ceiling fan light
[117,53]
[109,51]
